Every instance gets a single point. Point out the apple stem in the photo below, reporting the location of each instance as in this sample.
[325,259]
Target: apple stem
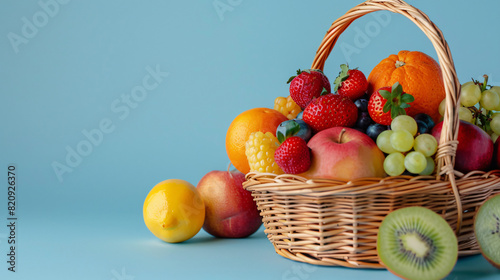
[341,134]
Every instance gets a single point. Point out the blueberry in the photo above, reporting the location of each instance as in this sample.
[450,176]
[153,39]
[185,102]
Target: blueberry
[375,129]
[422,127]
[362,104]
[364,120]
[299,115]
[293,128]
[426,119]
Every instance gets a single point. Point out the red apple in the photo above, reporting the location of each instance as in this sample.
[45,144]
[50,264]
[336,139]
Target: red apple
[495,162]
[344,153]
[475,147]
[229,209]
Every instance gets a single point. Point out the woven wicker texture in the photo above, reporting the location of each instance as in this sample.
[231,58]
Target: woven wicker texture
[334,222]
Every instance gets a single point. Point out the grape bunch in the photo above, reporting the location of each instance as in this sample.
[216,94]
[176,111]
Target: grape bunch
[480,105]
[406,147]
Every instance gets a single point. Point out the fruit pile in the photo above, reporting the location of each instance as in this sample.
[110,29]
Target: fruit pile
[388,124]
[358,127]
[385,125]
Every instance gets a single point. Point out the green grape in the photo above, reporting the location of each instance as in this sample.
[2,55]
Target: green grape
[404,122]
[465,114]
[497,90]
[429,169]
[489,100]
[394,164]
[495,124]
[470,94]
[384,142]
[415,162]
[426,144]
[402,140]
[441,107]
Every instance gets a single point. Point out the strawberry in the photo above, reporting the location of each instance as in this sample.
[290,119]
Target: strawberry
[387,103]
[330,110]
[307,85]
[376,108]
[350,83]
[293,155]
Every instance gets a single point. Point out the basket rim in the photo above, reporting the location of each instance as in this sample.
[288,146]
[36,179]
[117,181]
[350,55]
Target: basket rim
[289,184]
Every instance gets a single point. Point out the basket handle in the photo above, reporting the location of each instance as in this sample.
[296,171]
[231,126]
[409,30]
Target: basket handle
[448,142]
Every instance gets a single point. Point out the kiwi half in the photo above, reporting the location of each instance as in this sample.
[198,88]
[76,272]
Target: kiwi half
[416,243]
[487,229]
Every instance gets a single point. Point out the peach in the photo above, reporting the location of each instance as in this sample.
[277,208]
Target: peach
[230,209]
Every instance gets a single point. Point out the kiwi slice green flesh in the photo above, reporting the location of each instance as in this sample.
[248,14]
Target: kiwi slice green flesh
[487,229]
[416,243]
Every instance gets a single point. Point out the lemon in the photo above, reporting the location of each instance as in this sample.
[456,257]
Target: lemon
[174,210]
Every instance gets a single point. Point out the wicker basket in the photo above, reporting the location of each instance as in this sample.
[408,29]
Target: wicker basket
[334,222]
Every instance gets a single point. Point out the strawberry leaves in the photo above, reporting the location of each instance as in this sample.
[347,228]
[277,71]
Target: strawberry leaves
[397,100]
[343,75]
[298,73]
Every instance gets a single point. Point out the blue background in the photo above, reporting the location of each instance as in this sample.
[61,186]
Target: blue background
[69,74]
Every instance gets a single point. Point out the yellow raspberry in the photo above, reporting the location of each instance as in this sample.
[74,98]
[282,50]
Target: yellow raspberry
[287,107]
[259,150]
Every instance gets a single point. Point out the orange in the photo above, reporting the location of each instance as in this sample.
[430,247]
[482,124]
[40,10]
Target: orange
[174,210]
[420,76]
[256,119]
